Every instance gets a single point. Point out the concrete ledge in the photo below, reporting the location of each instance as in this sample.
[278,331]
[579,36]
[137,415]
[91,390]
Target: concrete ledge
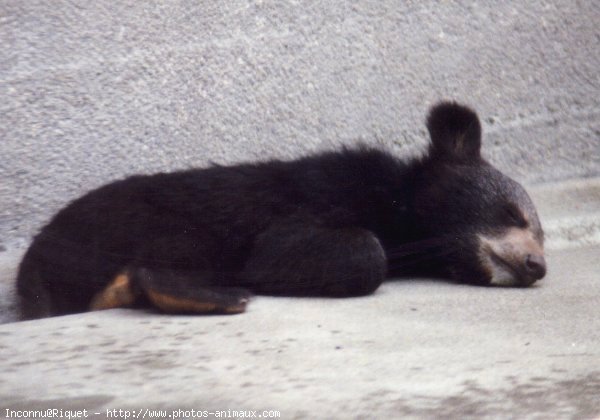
[570,212]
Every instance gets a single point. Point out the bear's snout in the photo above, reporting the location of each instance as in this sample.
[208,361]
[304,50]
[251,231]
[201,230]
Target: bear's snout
[515,258]
[535,266]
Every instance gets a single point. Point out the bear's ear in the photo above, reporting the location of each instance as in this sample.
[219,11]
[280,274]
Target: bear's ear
[455,132]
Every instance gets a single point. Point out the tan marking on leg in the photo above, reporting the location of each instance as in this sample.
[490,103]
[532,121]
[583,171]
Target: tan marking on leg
[116,295]
[235,309]
[172,304]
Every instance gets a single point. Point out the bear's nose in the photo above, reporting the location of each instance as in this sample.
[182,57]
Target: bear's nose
[535,265]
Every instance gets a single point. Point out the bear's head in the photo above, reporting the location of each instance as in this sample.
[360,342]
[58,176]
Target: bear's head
[486,220]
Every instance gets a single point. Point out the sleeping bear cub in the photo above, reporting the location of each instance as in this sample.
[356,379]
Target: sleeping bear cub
[332,224]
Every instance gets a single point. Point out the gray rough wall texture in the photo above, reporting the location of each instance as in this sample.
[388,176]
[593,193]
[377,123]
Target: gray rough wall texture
[93,91]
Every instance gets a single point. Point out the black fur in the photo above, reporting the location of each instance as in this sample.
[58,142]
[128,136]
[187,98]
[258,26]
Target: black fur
[455,132]
[333,224]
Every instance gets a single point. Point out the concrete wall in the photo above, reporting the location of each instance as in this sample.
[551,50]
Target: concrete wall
[92,91]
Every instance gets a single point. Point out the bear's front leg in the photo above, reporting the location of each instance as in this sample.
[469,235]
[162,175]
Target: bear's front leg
[306,259]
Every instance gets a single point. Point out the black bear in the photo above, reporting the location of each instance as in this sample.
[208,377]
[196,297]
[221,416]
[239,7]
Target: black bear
[332,224]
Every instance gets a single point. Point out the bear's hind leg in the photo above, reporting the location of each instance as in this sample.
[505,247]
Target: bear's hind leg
[118,294]
[169,291]
[172,273]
